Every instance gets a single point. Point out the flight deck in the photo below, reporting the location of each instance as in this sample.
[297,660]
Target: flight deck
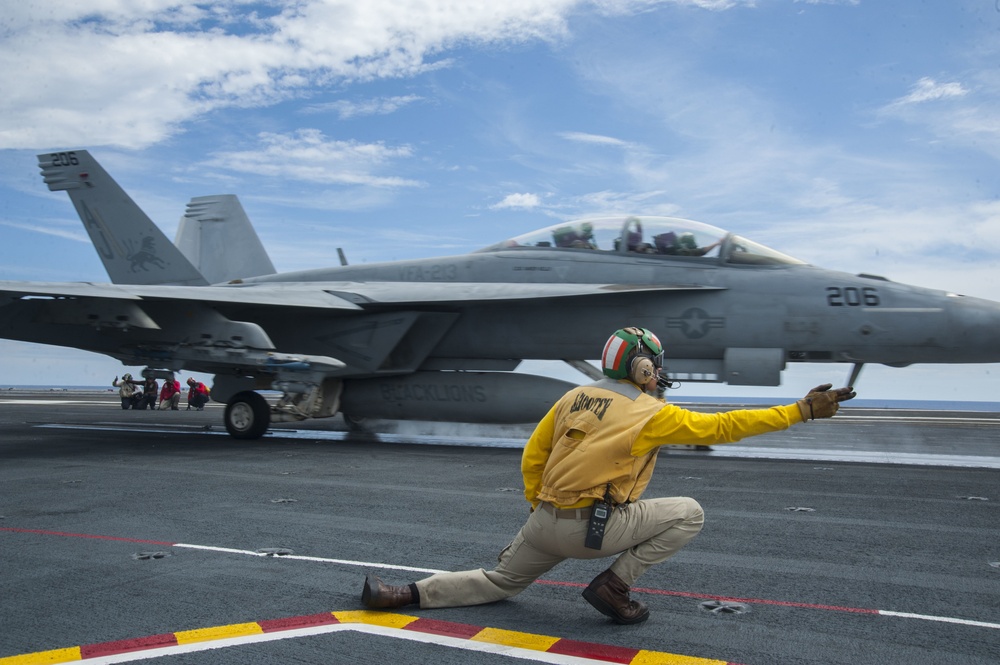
[128,535]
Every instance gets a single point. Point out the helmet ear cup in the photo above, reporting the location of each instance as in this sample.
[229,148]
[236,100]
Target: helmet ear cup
[641,369]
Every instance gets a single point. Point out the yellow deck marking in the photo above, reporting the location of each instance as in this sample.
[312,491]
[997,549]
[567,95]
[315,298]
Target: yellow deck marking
[512,638]
[497,636]
[217,633]
[54,656]
[387,619]
[660,658]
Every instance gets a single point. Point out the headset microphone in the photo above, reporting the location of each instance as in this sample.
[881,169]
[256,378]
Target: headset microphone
[664,382]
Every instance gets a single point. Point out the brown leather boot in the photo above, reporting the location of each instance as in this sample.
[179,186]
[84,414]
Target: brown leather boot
[377,595]
[609,596]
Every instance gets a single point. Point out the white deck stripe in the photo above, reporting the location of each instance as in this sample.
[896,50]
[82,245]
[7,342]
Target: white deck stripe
[396,633]
[925,617]
[387,566]
[314,559]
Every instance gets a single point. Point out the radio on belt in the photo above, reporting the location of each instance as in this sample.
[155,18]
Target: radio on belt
[598,520]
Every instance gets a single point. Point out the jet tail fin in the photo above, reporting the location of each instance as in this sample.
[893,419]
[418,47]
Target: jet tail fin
[217,237]
[133,249]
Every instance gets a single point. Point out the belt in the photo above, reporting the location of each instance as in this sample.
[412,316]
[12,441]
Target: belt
[566,513]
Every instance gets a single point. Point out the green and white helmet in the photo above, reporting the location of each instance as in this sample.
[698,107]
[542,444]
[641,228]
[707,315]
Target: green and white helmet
[624,346]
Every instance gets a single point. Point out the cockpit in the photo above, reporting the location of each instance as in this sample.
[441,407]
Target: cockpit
[648,236]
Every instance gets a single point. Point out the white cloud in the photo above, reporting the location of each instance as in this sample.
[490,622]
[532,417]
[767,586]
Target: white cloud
[310,156]
[953,112]
[78,236]
[852,3]
[630,6]
[380,106]
[518,201]
[927,89]
[131,74]
[582,137]
[604,203]
[947,247]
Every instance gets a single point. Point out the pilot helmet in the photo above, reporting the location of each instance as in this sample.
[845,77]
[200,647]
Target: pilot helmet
[686,240]
[632,353]
[587,229]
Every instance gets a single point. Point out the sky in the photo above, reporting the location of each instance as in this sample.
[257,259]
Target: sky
[855,135]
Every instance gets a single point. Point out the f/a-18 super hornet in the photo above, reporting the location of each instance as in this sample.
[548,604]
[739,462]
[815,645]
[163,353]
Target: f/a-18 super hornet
[437,339]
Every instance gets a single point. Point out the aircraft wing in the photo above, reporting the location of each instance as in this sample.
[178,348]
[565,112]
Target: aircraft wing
[399,293]
[262,327]
[327,295]
[272,294]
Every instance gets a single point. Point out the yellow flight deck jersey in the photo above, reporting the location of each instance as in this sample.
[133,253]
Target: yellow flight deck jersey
[611,432]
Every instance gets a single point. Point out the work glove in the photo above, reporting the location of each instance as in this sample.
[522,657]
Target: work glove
[821,402]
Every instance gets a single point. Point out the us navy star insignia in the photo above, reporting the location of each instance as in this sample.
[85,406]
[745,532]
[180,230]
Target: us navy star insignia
[695,323]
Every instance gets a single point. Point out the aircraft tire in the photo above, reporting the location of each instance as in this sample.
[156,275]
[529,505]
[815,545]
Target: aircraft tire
[247,415]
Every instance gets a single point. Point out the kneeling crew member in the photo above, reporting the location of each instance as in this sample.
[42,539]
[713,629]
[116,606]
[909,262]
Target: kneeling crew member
[585,468]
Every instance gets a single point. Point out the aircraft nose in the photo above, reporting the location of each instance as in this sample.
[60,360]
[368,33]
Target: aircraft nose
[975,329]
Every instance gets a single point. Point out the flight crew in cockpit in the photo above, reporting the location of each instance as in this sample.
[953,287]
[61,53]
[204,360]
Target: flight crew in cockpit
[578,238]
[682,245]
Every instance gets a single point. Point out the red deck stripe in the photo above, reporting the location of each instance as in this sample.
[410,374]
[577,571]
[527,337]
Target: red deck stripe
[291,623]
[126,646]
[659,592]
[605,652]
[446,628]
[749,601]
[87,535]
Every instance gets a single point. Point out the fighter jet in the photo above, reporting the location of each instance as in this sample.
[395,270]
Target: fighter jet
[439,338]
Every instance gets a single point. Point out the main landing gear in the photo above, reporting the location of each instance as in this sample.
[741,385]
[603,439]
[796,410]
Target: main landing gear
[247,415]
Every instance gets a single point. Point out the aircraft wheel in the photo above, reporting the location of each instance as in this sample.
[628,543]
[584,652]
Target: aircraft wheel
[247,415]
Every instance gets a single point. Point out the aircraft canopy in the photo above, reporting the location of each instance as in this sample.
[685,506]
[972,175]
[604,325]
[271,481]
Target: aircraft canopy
[654,236]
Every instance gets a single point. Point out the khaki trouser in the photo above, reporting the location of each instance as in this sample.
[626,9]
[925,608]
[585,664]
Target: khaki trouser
[642,533]
[171,402]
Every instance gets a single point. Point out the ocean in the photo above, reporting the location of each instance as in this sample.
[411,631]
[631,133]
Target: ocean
[923,405]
